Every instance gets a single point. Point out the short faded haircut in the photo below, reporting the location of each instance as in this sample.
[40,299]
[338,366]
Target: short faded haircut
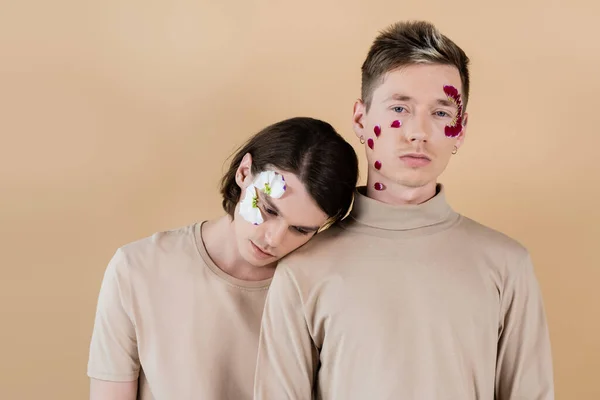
[409,43]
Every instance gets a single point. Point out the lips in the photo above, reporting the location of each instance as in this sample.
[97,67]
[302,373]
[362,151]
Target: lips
[415,160]
[261,250]
[416,155]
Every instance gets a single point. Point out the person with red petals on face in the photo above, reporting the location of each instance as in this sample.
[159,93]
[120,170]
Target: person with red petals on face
[406,298]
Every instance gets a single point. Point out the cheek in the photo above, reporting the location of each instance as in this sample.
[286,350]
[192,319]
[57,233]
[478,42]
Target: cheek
[293,241]
[245,230]
[438,142]
[442,145]
[383,135]
[439,126]
[383,148]
[443,152]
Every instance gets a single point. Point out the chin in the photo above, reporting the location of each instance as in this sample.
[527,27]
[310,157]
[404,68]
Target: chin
[252,261]
[413,181]
[257,262]
[415,184]
[261,263]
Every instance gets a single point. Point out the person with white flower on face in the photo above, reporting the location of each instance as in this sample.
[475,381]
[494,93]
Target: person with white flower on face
[179,312]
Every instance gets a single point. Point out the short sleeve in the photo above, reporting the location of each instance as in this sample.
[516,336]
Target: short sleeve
[113,352]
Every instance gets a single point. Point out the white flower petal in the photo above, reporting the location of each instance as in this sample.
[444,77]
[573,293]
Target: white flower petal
[253,216]
[277,187]
[270,183]
[248,211]
[262,179]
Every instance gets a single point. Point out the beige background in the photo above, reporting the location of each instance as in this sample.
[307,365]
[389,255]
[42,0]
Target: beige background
[116,116]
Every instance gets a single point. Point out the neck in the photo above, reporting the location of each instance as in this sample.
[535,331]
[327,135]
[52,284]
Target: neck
[219,239]
[397,220]
[397,194]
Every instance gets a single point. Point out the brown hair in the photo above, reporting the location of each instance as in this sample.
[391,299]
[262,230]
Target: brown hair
[309,148]
[407,43]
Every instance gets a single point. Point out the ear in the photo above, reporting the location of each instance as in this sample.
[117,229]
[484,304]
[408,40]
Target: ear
[243,175]
[461,138]
[358,116]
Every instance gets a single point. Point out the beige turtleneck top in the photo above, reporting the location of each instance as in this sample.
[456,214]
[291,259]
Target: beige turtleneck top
[405,302]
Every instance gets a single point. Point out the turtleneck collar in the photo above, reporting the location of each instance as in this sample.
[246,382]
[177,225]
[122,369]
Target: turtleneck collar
[375,216]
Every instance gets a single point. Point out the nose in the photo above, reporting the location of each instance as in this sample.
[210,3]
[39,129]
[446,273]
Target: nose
[275,233]
[419,129]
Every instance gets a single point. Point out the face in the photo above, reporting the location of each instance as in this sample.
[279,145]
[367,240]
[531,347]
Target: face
[288,222]
[406,139]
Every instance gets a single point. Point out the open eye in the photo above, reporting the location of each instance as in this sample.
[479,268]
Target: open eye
[442,114]
[398,109]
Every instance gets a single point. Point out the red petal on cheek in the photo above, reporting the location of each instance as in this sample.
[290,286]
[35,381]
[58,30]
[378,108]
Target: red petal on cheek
[456,128]
[453,131]
[370,143]
[396,124]
[379,186]
[377,165]
[377,130]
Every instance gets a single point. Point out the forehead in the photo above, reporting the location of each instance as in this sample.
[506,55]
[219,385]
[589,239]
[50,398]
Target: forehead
[296,205]
[422,82]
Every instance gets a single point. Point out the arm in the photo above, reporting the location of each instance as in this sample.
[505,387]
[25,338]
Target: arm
[104,390]
[524,364]
[113,364]
[287,358]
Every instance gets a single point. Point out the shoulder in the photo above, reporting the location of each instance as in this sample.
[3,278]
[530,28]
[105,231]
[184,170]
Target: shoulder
[162,247]
[318,256]
[490,237]
[324,243]
[508,254]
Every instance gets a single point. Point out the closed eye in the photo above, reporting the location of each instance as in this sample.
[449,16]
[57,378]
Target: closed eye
[300,230]
[270,211]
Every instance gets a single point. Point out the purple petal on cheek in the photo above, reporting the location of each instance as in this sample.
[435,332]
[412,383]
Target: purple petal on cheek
[284,187]
[370,143]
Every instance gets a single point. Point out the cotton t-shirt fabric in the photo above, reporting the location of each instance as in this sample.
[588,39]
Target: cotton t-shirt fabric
[168,317]
[405,302]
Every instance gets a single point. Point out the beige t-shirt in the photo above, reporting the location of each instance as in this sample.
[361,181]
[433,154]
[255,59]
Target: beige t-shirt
[168,316]
[405,302]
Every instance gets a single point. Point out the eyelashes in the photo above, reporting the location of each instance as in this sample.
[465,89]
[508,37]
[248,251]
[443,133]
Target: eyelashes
[294,228]
[270,212]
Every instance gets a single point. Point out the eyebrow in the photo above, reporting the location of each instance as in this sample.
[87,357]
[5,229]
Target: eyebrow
[446,102]
[399,97]
[403,97]
[267,200]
